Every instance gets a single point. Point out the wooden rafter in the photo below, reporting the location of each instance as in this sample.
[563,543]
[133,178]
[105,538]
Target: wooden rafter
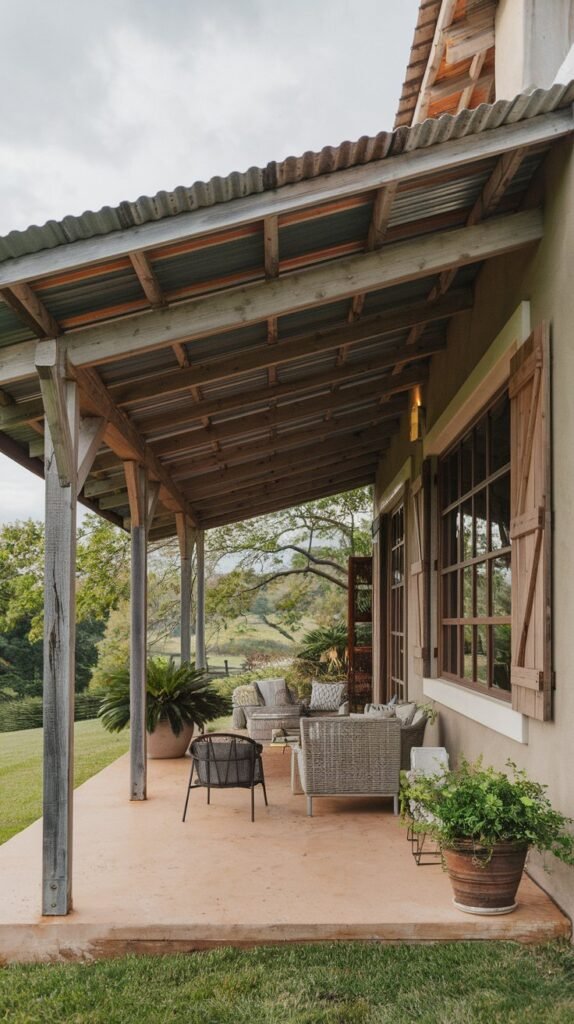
[147,277]
[382,208]
[281,416]
[445,17]
[23,301]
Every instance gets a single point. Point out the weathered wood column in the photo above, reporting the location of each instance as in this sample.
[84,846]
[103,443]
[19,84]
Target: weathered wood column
[136,482]
[70,447]
[185,536]
[200,659]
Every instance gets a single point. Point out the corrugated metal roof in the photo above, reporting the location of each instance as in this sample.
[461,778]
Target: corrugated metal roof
[292,170]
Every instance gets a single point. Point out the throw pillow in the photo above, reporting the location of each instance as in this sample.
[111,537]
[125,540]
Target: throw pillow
[327,696]
[406,712]
[274,692]
[379,711]
[246,695]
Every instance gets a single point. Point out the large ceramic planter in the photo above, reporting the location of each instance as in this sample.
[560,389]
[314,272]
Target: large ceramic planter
[162,742]
[485,888]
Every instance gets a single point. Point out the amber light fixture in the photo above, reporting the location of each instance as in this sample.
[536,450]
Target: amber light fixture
[417,417]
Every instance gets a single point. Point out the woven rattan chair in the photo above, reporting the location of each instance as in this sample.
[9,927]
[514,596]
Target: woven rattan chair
[225,761]
[349,757]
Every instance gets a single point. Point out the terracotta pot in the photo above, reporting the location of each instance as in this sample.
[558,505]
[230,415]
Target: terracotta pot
[485,888]
[162,742]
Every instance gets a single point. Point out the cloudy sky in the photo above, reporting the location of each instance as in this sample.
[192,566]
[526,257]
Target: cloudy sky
[122,98]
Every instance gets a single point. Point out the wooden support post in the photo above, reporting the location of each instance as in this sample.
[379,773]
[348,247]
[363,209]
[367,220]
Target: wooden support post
[185,537]
[137,490]
[70,447]
[59,679]
[200,659]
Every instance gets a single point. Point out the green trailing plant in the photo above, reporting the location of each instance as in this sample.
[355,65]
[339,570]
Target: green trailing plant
[180,695]
[324,650]
[488,807]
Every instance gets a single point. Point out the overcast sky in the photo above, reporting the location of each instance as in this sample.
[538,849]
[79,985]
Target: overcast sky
[112,100]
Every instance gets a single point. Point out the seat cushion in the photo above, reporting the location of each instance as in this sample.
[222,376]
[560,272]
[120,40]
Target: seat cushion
[327,696]
[274,692]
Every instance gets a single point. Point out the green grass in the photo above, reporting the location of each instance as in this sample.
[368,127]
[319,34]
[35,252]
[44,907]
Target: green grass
[21,769]
[346,983]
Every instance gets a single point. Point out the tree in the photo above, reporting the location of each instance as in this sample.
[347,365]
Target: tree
[307,544]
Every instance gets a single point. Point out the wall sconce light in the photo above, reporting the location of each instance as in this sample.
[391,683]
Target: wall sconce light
[417,419]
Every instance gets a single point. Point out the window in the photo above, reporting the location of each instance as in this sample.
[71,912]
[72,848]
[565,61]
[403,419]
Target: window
[396,638]
[474,555]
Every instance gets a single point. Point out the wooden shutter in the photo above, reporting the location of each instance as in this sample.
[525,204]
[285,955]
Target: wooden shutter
[530,526]
[420,570]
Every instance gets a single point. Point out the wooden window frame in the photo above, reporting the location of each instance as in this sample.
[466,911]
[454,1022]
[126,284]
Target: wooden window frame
[458,567]
[401,503]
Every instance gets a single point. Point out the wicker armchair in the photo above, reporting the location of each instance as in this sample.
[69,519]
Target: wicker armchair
[349,757]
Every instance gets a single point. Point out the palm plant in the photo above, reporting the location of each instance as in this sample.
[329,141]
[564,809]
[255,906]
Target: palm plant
[324,650]
[181,696]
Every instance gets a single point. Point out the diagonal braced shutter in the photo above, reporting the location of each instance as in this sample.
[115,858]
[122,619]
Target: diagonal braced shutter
[420,570]
[530,528]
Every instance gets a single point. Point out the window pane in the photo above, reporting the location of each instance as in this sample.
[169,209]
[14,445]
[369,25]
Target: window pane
[501,586]
[466,464]
[450,538]
[452,491]
[480,452]
[467,653]
[482,654]
[499,497]
[467,530]
[467,602]
[501,657]
[449,596]
[481,590]
[449,650]
[500,434]
[480,523]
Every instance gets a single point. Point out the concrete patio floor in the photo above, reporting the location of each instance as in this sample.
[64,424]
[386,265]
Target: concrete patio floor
[145,882]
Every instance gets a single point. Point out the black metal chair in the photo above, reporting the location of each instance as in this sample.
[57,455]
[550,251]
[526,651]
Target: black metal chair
[222,760]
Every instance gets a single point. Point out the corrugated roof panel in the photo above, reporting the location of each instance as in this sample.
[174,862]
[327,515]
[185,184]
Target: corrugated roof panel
[12,329]
[311,235]
[92,293]
[313,319]
[293,169]
[238,256]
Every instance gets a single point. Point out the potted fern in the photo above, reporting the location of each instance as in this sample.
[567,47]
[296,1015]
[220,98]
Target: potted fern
[485,821]
[178,699]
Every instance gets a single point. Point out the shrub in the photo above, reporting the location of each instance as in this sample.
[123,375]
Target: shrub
[27,713]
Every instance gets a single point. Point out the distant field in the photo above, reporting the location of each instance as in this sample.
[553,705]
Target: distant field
[21,769]
[249,632]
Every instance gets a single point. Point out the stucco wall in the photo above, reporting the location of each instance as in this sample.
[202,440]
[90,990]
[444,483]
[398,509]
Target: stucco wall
[532,39]
[545,276]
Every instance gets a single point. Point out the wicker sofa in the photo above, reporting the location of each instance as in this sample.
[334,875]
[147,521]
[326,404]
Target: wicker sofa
[265,716]
[343,756]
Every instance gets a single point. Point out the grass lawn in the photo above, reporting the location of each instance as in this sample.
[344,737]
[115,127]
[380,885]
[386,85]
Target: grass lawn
[21,769]
[346,983]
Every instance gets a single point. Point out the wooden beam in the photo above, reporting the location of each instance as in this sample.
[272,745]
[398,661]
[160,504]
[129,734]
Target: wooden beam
[274,469]
[203,474]
[450,86]
[290,350]
[371,368]
[50,361]
[23,301]
[444,19]
[59,679]
[408,166]
[319,285]
[470,36]
[135,493]
[285,482]
[147,278]
[271,246]
[381,215]
[295,444]
[90,436]
[309,493]
[123,438]
[267,419]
